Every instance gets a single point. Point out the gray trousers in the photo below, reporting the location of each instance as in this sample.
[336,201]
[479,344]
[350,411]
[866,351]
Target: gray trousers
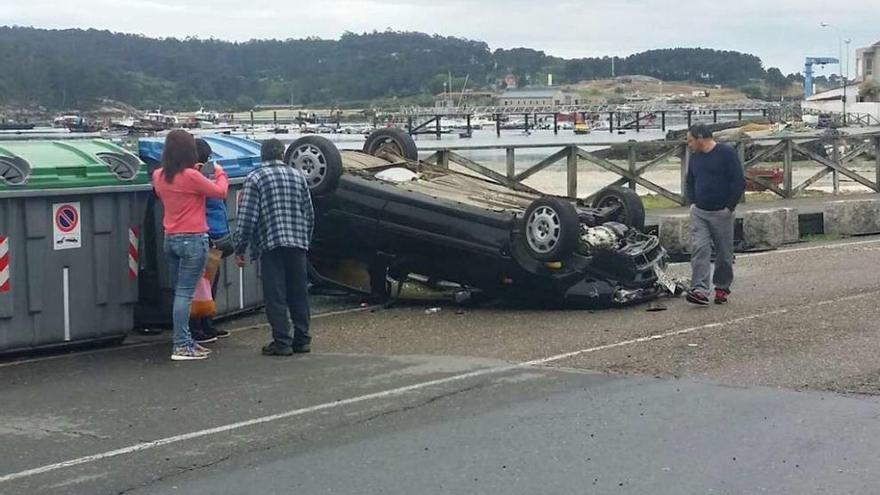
[711,229]
[285,290]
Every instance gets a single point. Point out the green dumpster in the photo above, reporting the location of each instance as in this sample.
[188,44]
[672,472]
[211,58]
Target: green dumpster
[70,223]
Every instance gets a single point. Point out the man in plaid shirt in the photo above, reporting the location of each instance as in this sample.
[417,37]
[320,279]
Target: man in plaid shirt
[276,219]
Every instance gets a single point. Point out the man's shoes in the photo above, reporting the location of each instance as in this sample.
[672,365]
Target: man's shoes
[695,297]
[273,349]
[721,296]
[202,338]
[302,349]
[221,334]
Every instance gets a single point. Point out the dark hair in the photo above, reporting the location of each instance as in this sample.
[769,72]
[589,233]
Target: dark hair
[203,150]
[700,131]
[179,154]
[272,149]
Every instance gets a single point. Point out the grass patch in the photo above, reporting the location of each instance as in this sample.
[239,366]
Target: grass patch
[657,202]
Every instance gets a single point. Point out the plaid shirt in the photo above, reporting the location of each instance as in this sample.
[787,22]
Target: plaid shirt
[275,210]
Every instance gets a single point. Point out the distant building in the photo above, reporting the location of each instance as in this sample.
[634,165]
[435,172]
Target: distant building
[449,100]
[537,97]
[700,93]
[868,62]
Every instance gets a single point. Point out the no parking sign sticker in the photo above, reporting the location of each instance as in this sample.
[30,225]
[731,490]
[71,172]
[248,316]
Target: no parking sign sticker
[66,226]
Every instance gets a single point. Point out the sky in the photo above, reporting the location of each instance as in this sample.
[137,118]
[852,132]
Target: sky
[780,32]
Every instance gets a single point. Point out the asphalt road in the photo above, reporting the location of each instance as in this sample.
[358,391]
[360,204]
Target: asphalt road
[775,392]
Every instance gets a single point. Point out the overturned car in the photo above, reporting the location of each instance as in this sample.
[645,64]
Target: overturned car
[398,218]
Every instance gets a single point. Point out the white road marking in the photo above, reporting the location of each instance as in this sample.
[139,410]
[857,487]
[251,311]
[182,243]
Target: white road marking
[406,389]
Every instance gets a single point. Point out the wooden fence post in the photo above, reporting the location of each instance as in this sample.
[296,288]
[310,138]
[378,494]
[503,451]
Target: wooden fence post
[877,161]
[631,161]
[572,171]
[741,153]
[511,163]
[787,168]
[443,158]
[835,157]
[685,157]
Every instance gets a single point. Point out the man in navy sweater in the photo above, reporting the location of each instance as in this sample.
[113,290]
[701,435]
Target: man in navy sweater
[715,184]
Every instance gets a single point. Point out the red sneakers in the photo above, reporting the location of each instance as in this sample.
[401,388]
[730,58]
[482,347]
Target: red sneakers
[721,296]
[695,297]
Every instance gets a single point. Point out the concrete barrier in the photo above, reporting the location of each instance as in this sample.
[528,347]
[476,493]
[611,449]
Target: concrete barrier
[852,217]
[763,229]
[674,232]
[792,231]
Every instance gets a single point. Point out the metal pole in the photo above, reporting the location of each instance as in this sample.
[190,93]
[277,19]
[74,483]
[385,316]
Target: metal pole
[437,125]
[555,123]
[252,118]
[498,125]
[409,123]
[638,122]
[663,121]
[527,122]
[690,121]
[715,116]
[275,118]
[469,130]
[611,122]
[739,115]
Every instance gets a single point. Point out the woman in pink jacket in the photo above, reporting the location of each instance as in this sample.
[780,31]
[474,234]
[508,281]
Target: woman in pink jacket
[183,191]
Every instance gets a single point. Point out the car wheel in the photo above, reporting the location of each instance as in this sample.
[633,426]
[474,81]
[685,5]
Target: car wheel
[318,160]
[391,141]
[629,208]
[550,229]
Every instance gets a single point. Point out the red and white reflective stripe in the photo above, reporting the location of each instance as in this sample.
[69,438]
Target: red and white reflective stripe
[133,254]
[4,264]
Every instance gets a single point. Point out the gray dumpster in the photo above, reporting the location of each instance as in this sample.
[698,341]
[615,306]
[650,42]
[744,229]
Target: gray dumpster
[239,290]
[70,222]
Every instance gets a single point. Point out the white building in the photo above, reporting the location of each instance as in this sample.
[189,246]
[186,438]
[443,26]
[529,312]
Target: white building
[537,97]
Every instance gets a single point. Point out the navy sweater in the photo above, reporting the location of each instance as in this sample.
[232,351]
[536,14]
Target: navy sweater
[715,179]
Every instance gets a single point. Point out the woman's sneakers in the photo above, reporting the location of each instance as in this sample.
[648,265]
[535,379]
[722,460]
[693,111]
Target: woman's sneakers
[193,352]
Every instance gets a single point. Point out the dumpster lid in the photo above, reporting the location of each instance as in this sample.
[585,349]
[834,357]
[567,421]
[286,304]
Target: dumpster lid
[238,156]
[41,164]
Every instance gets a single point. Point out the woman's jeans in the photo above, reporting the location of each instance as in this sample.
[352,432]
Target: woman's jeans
[187,256]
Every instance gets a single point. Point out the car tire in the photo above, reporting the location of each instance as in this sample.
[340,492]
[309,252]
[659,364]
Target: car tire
[550,229]
[391,141]
[319,161]
[632,212]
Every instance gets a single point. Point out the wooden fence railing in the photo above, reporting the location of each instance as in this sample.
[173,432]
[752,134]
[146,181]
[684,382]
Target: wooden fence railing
[830,154]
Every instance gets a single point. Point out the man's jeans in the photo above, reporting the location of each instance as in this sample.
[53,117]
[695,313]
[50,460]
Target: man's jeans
[711,229]
[187,256]
[285,288]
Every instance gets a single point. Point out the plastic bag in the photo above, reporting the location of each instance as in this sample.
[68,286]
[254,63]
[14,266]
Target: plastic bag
[203,303]
[214,256]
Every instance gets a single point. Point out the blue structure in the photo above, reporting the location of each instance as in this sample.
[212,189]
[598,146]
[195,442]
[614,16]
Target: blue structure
[808,72]
[238,156]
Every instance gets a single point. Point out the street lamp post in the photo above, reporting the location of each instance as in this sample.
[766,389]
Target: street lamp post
[844,78]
